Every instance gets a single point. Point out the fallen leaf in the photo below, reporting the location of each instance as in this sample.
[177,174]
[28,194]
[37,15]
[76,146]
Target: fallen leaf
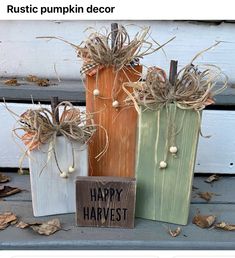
[8,190]
[4,178]
[206,195]
[47,228]
[39,81]
[174,233]
[6,219]
[11,82]
[43,82]
[195,188]
[225,226]
[22,225]
[204,221]
[212,178]
[32,78]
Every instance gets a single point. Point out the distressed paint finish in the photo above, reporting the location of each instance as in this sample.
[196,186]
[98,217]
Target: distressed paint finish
[120,124]
[52,194]
[164,194]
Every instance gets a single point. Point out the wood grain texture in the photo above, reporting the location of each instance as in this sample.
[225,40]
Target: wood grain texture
[120,124]
[106,201]
[52,194]
[164,194]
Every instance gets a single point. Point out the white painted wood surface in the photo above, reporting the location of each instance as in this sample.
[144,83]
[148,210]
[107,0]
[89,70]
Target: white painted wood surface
[52,194]
[215,155]
[22,54]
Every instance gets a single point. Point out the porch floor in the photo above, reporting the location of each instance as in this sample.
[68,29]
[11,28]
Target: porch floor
[146,234]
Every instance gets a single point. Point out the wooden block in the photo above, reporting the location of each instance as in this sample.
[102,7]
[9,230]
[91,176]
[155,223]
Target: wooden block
[52,194]
[164,194]
[105,201]
[121,124]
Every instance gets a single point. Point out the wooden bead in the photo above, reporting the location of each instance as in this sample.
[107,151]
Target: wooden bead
[173,149]
[115,104]
[163,164]
[96,92]
[71,169]
[63,175]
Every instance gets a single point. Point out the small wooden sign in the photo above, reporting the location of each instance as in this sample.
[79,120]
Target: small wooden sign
[105,201]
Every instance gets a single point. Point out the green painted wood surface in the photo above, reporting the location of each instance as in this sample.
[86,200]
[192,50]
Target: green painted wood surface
[164,194]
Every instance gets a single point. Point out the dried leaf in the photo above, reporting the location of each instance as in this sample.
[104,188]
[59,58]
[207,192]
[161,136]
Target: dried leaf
[174,233]
[39,81]
[47,228]
[11,82]
[22,224]
[6,219]
[225,226]
[4,178]
[43,82]
[212,178]
[204,221]
[195,188]
[206,195]
[8,190]
[32,78]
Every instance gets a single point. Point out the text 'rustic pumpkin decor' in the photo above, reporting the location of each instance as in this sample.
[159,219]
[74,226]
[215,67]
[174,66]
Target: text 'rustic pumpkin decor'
[105,201]
[57,151]
[169,125]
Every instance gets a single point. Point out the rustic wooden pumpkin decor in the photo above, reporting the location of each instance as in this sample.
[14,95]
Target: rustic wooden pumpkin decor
[168,129]
[105,201]
[57,150]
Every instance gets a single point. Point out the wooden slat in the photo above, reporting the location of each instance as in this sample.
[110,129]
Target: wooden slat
[65,90]
[164,194]
[220,188]
[73,90]
[120,123]
[22,182]
[20,50]
[147,234]
[215,155]
[223,191]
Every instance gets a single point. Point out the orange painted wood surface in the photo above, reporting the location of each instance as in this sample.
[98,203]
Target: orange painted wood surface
[120,123]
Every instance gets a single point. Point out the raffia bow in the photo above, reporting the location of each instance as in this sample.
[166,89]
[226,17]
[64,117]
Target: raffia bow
[40,128]
[194,87]
[97,51]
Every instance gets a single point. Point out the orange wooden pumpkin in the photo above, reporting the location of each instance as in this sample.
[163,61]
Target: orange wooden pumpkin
[120,123]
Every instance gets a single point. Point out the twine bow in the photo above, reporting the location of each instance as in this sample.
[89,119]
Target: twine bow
[194,87]
[97,51]
[40,129]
